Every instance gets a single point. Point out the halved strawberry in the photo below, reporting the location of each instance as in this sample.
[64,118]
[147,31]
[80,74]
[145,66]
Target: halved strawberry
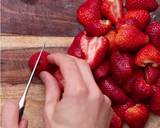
[122,67]
[98,27]
[149,5]
[148,55]
[141,15]
[89,12]
[75,48]
[94,49]
[102,69]
[111,89]
[127,39]
[121,108]
[112,9]
[153,30]
[136,116]
[155,101]
[116,121]
[151,74]
[111,35]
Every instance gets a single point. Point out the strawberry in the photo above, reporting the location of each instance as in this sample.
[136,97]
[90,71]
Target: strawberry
[43,64]
[58,76]
[151,74]
[136,116]
[150,5]
[98,27]
[141,15]
[157,84]
[121,66]
[153,30]
[121,108]
[89,12]
[155,101]
[111,37]
[148,54]
[116,121]
[94,49]
[102,69]
[75,49]
[127,39]
[128,86]
[111,89]
[141,90]
[130,21]
[112,9]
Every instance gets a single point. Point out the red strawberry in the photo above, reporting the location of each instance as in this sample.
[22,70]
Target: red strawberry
[111,35]
[121,66]
[151,74]
[43,64]
[89,12]
[136,116]
[94,49]
[128,86]
[158,82]
[110,88]
[121,108]
[141,15]
[75,49]
[141,90]
[57,74]
[98,27]
[130,21]
[102,69]
[153,30]
[148,54]
[112,9]
[116,121]
[155,101]
[127,39]
[150,5]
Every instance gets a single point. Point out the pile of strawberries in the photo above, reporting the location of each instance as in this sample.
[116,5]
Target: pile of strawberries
[122,47]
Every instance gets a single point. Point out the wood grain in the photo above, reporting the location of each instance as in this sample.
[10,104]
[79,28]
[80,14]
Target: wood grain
[40,17]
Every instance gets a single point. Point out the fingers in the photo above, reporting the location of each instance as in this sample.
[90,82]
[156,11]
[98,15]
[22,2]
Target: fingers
[23,123]
[70,71]
[52,90]
[10,115]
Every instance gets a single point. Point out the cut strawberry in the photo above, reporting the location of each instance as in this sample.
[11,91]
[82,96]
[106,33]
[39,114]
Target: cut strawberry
[75,48]
[127,39]
[151,74]
[155,101]
[94,49]
[102,69]
[137,116]
[43,64]
[150,5]
[148,54]
[110,88]
[121,108]
[141,15]
[89,12]
[112,9]
[153,30]
[122,67]
[98,27]
[116,121]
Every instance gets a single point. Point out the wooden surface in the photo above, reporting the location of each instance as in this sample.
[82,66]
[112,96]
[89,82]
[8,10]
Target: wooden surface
[15,73]
[40,17]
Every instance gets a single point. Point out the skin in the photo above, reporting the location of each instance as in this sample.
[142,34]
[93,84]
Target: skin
[82,105]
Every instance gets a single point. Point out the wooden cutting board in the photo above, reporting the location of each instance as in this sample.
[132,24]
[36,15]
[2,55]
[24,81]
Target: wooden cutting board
[15,52]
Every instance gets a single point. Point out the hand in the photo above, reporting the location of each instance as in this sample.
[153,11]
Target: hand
[82,105]
[10,116]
